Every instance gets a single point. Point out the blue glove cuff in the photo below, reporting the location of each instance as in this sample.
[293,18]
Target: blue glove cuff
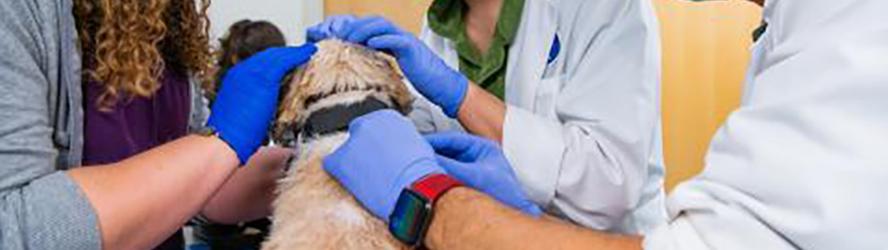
[243,147]
[452,105]
[416,171]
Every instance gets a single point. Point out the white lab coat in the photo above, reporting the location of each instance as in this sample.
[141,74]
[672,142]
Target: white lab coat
[804,162]
[582,132]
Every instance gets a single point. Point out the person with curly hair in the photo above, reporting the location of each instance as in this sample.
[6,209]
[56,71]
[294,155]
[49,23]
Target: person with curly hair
[105,139]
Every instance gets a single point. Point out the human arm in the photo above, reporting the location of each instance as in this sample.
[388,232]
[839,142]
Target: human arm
[384,154]
[43,208]
[195,166]
[248,194]
[46,209]
[482,114]
[467,219]
[382,146]
[133,199]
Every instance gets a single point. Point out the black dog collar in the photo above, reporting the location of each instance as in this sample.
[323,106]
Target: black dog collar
[337,118]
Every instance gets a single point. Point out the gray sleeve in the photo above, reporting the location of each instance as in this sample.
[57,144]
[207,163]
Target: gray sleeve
[428,118]
[200,109]
[40,208]
[48,213]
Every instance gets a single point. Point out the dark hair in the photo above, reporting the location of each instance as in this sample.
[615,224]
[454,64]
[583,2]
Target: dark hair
[245,38]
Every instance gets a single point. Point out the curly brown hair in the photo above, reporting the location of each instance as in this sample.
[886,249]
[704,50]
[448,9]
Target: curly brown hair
[127,44]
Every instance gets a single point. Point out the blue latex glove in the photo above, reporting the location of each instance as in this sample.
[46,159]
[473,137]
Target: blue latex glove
[247,100]
[329,28]
[426,71]
[383,155]
[481,165]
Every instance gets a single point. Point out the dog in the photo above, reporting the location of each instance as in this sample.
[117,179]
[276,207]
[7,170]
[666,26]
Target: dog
[312,211]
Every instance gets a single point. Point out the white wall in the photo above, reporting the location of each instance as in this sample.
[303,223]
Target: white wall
[291,16]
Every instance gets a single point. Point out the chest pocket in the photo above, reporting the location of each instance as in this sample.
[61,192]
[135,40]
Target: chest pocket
[550,84]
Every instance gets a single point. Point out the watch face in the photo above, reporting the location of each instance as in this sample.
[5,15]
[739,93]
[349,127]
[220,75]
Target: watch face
[409,220]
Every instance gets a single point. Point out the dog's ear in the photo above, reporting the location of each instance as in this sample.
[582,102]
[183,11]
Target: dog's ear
[400,95]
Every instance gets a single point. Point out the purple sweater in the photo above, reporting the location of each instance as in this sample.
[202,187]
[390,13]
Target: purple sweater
[135,125]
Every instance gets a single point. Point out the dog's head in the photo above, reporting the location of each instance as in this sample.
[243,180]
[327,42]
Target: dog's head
[339,74]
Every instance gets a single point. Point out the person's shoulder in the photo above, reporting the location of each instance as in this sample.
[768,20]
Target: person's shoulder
[31,19]
[32,10]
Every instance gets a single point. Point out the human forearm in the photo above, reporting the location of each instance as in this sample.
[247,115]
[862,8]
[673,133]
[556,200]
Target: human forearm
[173,182]
[250,191]
[482,114]
[467,219]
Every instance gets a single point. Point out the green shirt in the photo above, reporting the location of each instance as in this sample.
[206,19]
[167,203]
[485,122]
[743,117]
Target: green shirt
[445,18]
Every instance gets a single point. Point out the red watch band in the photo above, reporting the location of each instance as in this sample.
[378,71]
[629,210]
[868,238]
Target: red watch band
[434,185]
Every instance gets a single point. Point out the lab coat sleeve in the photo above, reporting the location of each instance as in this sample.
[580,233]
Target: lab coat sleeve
[589,162]
[702,219]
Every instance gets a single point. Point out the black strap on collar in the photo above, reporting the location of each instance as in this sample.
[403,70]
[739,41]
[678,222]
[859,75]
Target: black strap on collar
[337,118]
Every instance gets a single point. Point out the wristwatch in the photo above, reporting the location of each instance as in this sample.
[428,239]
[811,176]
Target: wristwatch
[413,212]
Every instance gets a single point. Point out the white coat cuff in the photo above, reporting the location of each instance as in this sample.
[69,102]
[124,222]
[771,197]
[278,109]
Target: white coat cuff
[535,148]
[678,234]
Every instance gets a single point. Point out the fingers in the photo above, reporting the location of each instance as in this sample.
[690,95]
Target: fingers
[317,32]
[330,27]
[352,29]
[397,45]
[472,176]
[338,25]
[364,29]
[457,145]
[314,35]
[450,144]
[331,163]
[292,57]
[458,170]
[279,61]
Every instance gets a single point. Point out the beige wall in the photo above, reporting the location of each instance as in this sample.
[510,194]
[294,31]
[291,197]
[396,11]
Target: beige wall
[407,13]
[705,52]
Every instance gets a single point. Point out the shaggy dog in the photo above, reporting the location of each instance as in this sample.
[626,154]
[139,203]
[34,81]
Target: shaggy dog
[312,211]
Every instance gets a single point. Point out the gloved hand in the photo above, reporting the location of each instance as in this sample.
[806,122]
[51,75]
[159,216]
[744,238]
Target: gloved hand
[383,155]
[247,100]
[481,165]
[429,74]
[329,28]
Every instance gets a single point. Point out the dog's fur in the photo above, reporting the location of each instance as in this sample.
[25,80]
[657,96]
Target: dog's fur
[312,211]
